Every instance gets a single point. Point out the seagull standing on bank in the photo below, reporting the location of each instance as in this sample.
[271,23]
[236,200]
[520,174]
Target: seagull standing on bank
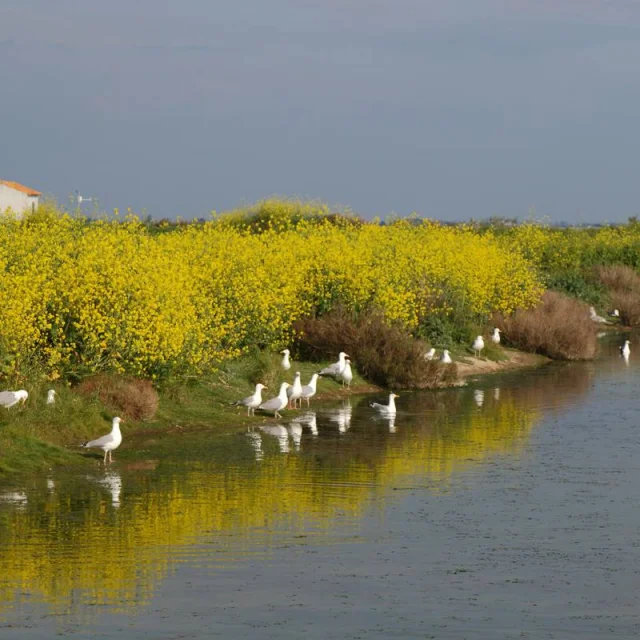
[430,354]
[51,396]
[109,442]
[336,368]
[625,349]
[309,390]
[10,398]
[495,338]
[278,403]
[615,313]
[294,392]
[596,318]
[478,345]
[386,409]
[252,401]
[347,375]
[286,363]
[446,357]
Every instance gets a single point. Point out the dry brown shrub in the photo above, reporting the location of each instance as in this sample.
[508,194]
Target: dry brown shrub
[559,327]
[384,354]
[130,397]
[619,278]
[624,286]
[628,304]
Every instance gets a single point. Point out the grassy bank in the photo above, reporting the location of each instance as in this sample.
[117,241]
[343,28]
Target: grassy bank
[37,436]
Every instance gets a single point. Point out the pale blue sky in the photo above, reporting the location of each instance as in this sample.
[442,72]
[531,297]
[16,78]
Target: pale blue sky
[454,109]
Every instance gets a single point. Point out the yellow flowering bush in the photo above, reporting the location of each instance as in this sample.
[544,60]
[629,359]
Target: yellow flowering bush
[83,296]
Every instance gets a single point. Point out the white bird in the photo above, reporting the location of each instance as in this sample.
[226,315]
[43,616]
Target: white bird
[294,392]
[495,338]
[278,403]
[596,318]
[625,349]
[281,434]
[445,358]
[478,345]
[109,442]
[347,375]
[10,398]
[286,363]
[430,354]
[253,401]
[51,396]
[309,390]
[615,313]
[336,368]
[386,409]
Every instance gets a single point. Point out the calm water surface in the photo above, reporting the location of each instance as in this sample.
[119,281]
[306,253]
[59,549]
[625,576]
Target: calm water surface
[507,509]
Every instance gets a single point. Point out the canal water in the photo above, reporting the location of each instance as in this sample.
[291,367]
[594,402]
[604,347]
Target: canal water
[505,509]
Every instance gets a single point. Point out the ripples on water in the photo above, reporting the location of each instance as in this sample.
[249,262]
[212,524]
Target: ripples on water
[469,512]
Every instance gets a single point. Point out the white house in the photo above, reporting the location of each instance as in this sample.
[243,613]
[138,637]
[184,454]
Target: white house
[17,197]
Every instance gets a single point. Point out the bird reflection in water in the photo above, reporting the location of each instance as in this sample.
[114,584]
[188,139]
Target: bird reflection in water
[280,433]
[256,444]
[342,416]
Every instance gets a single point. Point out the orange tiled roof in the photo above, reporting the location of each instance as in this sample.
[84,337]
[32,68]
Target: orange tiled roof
[20,187]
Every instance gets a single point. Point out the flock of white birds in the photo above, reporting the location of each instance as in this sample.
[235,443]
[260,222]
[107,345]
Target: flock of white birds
[290,395]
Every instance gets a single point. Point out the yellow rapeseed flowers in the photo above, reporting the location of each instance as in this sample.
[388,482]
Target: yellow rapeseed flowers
[115,295]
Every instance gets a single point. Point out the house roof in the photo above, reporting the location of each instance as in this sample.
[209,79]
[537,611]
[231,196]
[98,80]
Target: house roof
[20,187]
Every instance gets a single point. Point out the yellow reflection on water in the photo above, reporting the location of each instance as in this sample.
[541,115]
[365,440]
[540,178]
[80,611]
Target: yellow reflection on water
[111,539]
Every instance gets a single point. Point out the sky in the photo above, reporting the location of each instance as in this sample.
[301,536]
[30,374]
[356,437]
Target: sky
[454,110]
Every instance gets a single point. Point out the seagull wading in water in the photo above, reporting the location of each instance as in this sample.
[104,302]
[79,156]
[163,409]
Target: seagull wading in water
[625,349]
[336,368]
[278,403]
[478,345]
[294,392]
[253,401]
[109,442]
[495,338]
[10,398]
[309,390]
[386,409]
[286,363]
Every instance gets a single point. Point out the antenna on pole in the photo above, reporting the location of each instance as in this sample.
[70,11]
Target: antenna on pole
[80,199]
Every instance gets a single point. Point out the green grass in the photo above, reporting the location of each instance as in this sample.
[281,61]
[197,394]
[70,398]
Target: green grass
[36,437]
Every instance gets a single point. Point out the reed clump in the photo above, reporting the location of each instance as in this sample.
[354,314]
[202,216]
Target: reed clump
[558,327]
[624,290]
[129,397]
[384,353]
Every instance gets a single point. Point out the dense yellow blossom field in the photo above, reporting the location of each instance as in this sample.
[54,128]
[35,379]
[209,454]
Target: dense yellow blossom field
[80,296]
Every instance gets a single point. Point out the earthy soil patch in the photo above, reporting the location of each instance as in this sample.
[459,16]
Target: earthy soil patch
[472,366]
